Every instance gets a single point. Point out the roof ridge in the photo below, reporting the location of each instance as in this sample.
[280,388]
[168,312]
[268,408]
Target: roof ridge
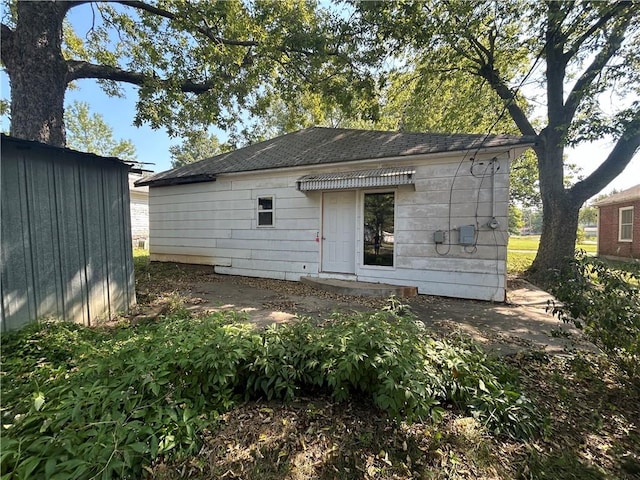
[448,134]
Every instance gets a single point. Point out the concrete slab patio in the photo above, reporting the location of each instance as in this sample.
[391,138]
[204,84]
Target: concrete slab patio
[364,289]
[505,328]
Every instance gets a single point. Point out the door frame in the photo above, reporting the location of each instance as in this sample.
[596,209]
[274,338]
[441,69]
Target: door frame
[356,204]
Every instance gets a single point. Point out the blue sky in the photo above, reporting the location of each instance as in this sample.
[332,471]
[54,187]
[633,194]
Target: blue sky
[153,145]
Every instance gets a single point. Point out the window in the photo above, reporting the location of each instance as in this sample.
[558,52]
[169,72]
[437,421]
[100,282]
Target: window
[265,211]
[379,223]
[625,224]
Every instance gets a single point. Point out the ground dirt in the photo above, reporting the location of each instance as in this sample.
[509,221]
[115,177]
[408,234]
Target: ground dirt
[520,323]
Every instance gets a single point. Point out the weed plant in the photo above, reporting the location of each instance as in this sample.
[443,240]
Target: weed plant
[86,403]
[604,301]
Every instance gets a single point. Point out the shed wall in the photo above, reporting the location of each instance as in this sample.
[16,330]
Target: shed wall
[66,239]
[215,223]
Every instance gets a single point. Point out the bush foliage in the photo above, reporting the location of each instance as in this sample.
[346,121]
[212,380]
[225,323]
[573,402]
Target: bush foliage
[604,301]
[87,403]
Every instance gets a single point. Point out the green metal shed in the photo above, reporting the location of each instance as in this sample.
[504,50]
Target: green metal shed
[65,235]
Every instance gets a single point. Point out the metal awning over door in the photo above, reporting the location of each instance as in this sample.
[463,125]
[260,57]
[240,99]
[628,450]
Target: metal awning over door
[380,177]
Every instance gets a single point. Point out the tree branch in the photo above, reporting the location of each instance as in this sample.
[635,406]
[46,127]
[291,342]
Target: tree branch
[68,5]
[207,32]
[6,44]
[505,93]
[576,45]
[80,69]
[580,89]
[616,162]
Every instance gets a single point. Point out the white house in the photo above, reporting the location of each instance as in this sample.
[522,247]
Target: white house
[415,209]
[139,205]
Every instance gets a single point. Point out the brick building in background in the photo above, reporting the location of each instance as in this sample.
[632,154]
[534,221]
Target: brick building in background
[619,225]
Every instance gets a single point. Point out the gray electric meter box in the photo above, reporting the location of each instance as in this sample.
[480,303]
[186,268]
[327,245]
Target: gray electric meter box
[467,234]
[438,236]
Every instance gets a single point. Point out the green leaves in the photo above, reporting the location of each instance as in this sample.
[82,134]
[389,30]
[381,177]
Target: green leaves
[604,301]
[197,145]
[38,401]
[122,398]
[90,133]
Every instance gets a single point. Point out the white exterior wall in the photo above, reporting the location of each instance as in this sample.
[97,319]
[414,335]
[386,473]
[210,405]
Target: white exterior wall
[215,223]
[477,272]
[139,216]
[139,207]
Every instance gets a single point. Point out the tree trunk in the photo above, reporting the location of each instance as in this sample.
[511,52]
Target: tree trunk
[37,73]
[557,242]
[560,209]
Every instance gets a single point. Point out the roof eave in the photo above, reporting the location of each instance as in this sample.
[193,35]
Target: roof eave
[165,182]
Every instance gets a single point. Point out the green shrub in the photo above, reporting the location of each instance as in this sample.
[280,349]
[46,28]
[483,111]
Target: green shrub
[142,393]
[394,362]
[605,303]
[85,403]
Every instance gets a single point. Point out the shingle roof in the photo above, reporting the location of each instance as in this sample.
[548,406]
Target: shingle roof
[319,146]
[627,195]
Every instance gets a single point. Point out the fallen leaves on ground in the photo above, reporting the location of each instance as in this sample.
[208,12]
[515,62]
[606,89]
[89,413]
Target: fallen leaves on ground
[594,435]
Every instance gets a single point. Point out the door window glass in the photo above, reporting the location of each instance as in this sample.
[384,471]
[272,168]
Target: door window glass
[379,228]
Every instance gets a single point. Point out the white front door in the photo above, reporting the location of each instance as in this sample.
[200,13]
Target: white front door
[338,232]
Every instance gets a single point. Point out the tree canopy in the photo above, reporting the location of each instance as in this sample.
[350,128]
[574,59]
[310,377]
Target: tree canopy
[196,145]
[194,63]
[88,132]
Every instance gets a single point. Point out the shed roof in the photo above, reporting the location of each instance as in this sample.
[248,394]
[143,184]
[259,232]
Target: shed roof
[27,144]
[627,195]
[319,146]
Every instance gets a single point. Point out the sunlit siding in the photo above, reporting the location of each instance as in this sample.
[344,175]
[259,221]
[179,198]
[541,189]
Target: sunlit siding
[448,195]
[215,223]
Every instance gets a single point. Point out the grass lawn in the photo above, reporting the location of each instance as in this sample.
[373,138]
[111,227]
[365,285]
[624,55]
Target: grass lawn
[530,242]
[519,262]
[521,252]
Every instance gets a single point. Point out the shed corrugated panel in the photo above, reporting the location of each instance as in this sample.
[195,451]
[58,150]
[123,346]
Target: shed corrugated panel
[66,242]
[381,177]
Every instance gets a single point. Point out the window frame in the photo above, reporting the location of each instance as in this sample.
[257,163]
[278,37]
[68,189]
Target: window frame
[272,211]
[621,211]
[364,193]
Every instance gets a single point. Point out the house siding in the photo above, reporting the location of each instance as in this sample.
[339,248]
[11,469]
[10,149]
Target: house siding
[139,201]
[215,223]
[65,235]
[139,217]
[608,244]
